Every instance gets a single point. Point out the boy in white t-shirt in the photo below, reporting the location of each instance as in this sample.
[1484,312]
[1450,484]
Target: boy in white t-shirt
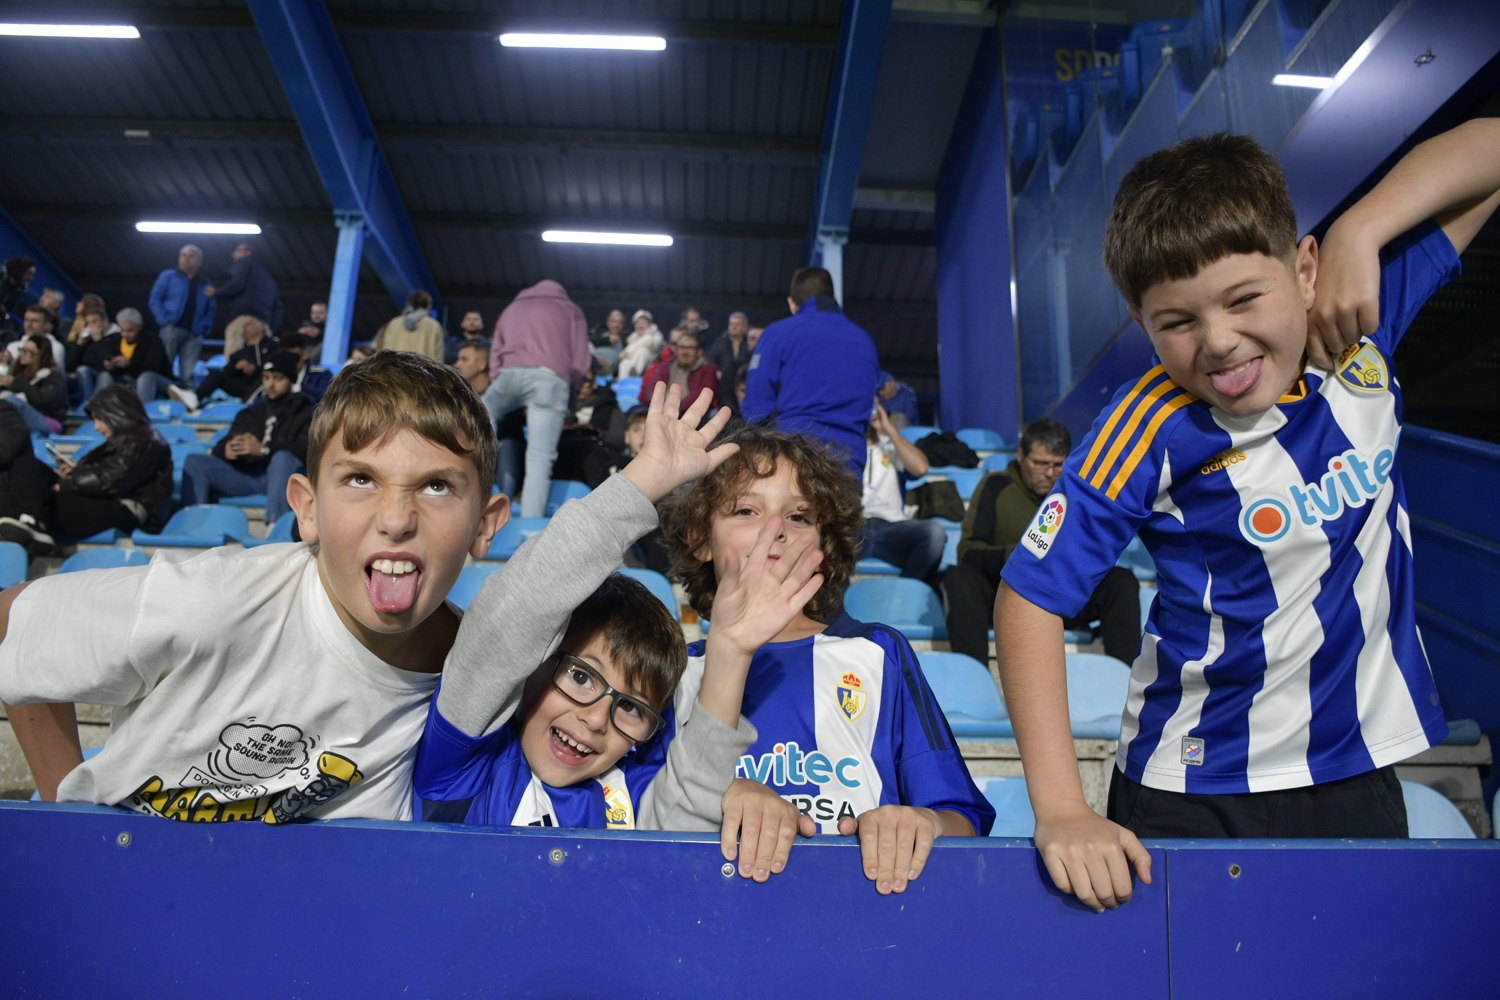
[282,681]
[890,532]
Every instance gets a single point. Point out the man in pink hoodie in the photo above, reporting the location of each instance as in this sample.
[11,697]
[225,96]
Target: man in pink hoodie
[538,359]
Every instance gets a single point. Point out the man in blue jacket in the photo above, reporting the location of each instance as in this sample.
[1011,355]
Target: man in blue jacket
[816,372]
[182,302]
[250,291]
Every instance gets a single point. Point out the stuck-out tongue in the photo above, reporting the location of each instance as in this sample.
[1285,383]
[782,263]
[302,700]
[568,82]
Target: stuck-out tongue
[392,594]
[1239,381]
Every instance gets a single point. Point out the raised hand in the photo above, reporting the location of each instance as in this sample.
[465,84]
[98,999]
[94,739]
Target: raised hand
[1346,305]
[760,595]
[675,450]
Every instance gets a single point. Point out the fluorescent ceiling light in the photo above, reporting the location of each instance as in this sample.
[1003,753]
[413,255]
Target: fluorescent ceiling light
[611,239]
[221,228]
[538,40]
[71,30]
[1293,80]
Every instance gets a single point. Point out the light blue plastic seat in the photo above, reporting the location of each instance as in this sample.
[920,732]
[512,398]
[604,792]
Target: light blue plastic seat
[981,438]
[470,579]
[512,535]
[627,392]
[281,531]
[998,462]
[103,559]
[216,413]
[217,361]
[876,567]
[1097,688]
[86,447]
[967,694]
[162,410]
[182,449]
[249,500]
[917,432]
[910,606]
[201,526]
[109,536]
[1431,816]
[1148,597]
[966,480]
[1013,815]
[218,435]
[177,433]
[1136,559]
[563,490]
[12,564]
[658,585]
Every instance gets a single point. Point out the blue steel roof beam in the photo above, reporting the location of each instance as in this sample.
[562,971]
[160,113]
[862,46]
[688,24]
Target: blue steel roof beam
[16,241]
[851,94]
[315,74]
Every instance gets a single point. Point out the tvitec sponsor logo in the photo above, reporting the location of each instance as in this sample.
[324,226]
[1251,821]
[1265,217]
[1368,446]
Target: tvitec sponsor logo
[1349,482]
[788,765]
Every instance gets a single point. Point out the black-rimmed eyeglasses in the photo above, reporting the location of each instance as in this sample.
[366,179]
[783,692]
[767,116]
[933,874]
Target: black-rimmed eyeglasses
[581,684]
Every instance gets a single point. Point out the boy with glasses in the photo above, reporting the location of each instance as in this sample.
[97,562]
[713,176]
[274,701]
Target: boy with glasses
[1002,508]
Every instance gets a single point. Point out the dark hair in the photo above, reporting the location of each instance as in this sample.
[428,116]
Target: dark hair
[834,498]
[373,398]
[477,344]
[119,408]
[810,282]
[1189,205]
[16,267]
[1046,433]
[644,639]
[292,341]
[419,299]
[637,414]
[47,314]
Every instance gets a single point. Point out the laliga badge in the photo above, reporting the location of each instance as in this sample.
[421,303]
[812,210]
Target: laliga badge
[851,698]
[1041,533]
[1362,368]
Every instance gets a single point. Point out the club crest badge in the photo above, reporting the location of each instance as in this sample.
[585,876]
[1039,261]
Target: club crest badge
[618,812]
[851,697]
[1362,368]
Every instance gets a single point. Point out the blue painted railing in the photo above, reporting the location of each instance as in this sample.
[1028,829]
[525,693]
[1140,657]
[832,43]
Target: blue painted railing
[101,902]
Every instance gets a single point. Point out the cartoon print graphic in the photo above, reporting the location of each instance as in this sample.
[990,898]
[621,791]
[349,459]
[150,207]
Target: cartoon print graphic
[217,792]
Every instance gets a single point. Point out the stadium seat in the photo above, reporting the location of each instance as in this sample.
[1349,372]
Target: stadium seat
[917,432]
[967,694]
[954,530]
[510,537]
[470,579]
[1013,815]
[1431,816]
[966,480]
[217,436]
[109,536]
[281,531]
[981,439]
[103,559]
[998,462]
[876,567]
[1097,688]
[85,433]
[627,392]
[563,490]
[1462,733]
[178,433]
[201,526]
[910,606]
[249,500]
[162,410]
[1148,597]
[216,413]
[1136,559]
[658,585]
[12,564]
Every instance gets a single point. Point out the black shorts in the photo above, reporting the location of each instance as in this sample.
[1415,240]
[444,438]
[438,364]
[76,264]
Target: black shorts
[1367,805]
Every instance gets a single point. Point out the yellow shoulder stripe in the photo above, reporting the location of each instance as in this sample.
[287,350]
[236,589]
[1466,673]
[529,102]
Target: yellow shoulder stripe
[1138,452]
[1114,419]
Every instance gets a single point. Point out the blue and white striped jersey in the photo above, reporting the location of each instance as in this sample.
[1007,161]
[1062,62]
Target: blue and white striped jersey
[845,723]
[1282,649]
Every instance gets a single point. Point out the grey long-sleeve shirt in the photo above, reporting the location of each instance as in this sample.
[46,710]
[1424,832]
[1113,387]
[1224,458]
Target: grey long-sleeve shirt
[518,620]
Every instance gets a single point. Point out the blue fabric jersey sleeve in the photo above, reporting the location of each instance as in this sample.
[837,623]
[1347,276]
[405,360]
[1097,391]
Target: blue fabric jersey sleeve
[1106,492]
[1412,267]
[930,770]
[451,764]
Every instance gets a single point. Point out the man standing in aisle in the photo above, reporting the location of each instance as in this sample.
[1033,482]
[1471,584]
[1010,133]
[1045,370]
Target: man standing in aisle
[815,373]
[538,359]
[182,301]
[250,291]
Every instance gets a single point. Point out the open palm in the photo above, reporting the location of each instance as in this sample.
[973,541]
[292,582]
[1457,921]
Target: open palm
[675,450]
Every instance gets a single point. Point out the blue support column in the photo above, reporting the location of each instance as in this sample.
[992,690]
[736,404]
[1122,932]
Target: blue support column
[975,281]
[345,284]
[16,242]
[314,72]
[861,46]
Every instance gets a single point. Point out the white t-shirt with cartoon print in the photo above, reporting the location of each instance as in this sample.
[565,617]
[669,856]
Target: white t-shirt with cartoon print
[238,692]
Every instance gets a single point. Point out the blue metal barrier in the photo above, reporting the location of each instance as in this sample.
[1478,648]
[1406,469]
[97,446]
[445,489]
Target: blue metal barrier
[105,902]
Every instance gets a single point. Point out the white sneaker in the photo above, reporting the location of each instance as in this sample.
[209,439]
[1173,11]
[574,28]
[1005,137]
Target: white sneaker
[186,397]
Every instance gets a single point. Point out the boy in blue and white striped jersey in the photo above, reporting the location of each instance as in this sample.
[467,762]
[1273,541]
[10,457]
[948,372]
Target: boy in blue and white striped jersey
[1281,675]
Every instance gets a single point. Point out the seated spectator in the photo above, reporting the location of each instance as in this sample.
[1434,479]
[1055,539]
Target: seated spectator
[592,446]
[473,363]
[641,346]
[753,338]
[1003,505]
[83,375]
[606,341]
[312,380]
[890,532]
[360,352]
[124,483]
[470,331]
[87,301]
[241,375]
[36,389]
[649,551]
[265,447]
[52,298]
[689,369]
[312,327]
[899,400]
[663,359]
[729,354]
[414,330]
[20,272]
[41,321]
[739,394]
[692,320]
[133,357]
